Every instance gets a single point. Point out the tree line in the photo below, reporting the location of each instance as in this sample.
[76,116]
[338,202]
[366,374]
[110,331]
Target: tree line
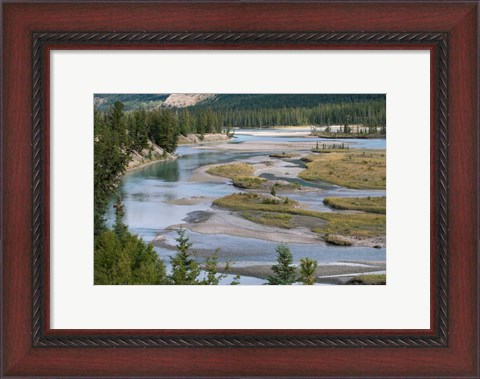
[369,113]
[279,101]
[116,135]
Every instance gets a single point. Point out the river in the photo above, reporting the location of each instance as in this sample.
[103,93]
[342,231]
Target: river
[147,194]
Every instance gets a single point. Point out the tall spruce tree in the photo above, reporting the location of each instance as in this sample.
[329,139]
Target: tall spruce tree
[185,269]
[111,157]
[283,271]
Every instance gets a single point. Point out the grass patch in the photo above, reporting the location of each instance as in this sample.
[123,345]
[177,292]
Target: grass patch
[366,204]
[242,177]
[280,220]
[286,186]
[352,169]
[240,173]
[256,202]
[248,182]
[351,224]
[232,170]
[369,279]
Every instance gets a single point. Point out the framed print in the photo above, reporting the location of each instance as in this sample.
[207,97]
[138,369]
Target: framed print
[222,189]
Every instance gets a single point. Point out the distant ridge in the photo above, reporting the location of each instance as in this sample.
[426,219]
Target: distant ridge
[229,101]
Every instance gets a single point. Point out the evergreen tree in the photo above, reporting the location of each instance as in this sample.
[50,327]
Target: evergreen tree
[119,227]
[163,129]
[307,270]
[202,124]
[123,258]
[185,269]
[283,271]
[185,123]
[137,129]
[212,277]
[111,157]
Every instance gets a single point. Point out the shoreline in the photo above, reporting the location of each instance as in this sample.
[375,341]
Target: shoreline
[335,273]
[194,139]
[219,221]
[150,162]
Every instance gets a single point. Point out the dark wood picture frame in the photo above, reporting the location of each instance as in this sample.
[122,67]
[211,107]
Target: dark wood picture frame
[31,30]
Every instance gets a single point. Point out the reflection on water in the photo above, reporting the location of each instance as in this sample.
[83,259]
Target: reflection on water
[167,171]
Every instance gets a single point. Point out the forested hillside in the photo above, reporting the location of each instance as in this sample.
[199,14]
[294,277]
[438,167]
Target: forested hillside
[211,114]
[275,101]
[129,101]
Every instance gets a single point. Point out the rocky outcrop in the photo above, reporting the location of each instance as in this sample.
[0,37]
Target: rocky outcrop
[181,100]
[152,153]
[193,139]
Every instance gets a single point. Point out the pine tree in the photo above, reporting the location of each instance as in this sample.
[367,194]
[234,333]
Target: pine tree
[307,270]
[185,123]
[110,159]
[212,277]
[185,269]
[119,227]
[283,271]
[124,258]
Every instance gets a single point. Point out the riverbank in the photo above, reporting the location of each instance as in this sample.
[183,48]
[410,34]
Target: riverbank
[332,273]
[151,154]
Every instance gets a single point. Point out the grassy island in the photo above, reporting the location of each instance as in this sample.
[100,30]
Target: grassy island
[242,175]
[365,204]
[352,169]
[287,213]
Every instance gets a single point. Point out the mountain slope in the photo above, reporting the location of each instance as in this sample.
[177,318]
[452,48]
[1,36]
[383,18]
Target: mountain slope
[229,101]
[181,100]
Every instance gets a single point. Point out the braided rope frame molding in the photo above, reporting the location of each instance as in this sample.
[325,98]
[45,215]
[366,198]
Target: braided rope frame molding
[210,39]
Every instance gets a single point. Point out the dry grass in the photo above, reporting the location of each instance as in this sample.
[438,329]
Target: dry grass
[240,173]
[352,169]
[353,224]
[366,204]
[279,220]
[232,170]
